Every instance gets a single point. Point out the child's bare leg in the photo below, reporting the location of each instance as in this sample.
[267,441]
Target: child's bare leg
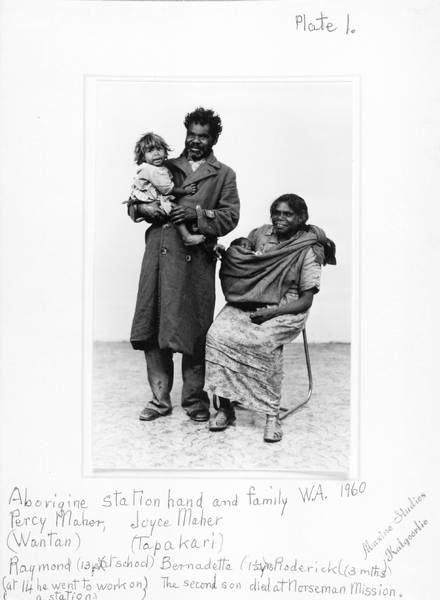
[189,239]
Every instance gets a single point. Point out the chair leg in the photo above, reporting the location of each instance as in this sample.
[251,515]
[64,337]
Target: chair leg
[285,412]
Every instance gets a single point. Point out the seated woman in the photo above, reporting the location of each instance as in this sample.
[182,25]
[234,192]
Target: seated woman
[269,285]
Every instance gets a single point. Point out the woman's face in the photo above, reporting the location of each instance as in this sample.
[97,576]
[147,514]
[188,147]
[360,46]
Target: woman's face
[284,220]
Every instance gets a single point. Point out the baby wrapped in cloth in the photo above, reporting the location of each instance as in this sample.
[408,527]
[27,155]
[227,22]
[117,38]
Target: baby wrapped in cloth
[260,279]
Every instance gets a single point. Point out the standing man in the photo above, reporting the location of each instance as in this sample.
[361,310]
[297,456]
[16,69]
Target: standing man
[176,295]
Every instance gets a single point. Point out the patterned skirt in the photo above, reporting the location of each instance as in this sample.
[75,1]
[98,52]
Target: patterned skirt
[244,361]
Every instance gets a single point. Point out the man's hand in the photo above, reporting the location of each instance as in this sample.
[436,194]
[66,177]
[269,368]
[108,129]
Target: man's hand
[183,214]
[261,315]
[151,213]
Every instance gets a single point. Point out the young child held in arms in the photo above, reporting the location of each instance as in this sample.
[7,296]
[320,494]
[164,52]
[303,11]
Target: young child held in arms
[154,185]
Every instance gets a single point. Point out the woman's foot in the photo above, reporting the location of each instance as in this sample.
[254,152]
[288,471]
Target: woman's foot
[222,419]
[273,431]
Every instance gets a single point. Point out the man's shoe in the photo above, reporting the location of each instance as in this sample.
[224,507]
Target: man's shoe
[222,419]
[200,415]
[149,414]
[273,431]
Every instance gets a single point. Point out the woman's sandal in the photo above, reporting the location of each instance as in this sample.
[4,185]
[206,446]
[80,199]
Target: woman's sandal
[273,431]
[222,419]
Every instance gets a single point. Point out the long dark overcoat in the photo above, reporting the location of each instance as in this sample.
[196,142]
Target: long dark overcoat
[176,295]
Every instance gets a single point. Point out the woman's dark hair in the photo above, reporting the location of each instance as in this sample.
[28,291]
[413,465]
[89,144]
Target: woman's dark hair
[146,143]
[296,204]
[205,116]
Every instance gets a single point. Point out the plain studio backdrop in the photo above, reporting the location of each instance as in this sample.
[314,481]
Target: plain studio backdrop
[278,136]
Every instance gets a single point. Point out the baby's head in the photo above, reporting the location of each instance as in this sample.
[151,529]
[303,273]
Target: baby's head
[243,242]
[151,149]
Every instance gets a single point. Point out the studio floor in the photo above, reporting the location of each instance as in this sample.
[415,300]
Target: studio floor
[316,438]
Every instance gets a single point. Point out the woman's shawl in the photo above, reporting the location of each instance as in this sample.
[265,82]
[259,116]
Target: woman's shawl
[249,278]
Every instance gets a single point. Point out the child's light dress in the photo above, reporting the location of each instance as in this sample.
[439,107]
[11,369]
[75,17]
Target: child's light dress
[153,185]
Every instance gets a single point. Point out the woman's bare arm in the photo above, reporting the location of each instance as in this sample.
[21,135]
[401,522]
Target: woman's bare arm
[294,307]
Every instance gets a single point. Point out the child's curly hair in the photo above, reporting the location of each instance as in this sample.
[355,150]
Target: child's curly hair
[146,143]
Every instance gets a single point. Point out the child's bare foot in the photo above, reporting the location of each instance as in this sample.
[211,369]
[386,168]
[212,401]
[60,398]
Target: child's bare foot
[193,239]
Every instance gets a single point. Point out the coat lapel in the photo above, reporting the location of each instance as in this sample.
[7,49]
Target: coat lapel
[203,172]
[209,168]
[180,163]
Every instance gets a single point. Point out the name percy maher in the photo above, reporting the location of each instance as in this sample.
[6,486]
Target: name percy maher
[63,518]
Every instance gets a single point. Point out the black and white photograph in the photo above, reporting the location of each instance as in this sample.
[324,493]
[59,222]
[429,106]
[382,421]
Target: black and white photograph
[221,223]
[219,244]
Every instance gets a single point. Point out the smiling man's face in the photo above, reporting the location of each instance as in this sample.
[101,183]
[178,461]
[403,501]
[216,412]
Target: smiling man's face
[198,141]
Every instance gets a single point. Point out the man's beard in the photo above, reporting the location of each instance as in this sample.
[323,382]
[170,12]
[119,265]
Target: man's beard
[196,152]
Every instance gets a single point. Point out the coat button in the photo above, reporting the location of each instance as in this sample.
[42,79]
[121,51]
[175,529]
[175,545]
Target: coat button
[165,226]
[163,250]
[188,258]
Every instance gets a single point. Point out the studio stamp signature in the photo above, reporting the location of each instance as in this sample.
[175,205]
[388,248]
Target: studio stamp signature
[385,537]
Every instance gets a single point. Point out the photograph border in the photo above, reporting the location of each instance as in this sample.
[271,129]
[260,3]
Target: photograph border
[90,83]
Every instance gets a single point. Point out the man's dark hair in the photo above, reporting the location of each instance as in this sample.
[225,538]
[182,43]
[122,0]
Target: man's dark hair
[205,116]
[296,204]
